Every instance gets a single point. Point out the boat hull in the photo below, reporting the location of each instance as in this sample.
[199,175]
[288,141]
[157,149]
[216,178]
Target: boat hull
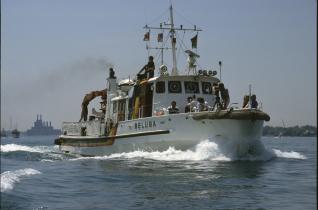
[181,131]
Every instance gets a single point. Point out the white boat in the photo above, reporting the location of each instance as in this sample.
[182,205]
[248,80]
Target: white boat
[135,112]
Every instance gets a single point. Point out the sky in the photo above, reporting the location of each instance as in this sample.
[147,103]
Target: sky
[53,52]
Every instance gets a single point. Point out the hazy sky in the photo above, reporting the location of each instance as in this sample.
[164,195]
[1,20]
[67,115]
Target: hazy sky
[53,52]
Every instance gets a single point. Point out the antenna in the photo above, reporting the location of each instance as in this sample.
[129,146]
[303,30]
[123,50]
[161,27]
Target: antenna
[220,65]
[172,30]
[173,44]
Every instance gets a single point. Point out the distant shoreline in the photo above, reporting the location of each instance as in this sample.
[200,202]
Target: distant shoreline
[301,131]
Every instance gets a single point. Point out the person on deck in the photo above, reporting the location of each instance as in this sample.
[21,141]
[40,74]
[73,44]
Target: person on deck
[173,109]
[149,69]
[188,106]
[202,105]
[194,104]
[245,102]
[224,95]
[254,102]
[216,93]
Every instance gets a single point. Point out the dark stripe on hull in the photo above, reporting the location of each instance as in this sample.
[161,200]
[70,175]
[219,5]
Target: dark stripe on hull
[101,141]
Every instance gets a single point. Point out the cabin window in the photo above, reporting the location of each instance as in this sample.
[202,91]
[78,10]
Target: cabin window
[174,87]
[115,107]
[160,87]
[206,88]
[191,87]
[121,110]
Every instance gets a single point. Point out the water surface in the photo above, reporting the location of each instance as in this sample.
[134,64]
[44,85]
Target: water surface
[35,175]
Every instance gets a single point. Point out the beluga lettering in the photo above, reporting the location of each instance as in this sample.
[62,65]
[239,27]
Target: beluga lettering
[145,124]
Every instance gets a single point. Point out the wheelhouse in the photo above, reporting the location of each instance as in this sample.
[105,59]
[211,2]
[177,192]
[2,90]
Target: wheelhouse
[146,98]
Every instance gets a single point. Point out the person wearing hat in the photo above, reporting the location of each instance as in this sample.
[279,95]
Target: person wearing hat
[149,69]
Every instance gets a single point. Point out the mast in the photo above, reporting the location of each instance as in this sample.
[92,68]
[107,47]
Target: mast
[172,30]
[173,44]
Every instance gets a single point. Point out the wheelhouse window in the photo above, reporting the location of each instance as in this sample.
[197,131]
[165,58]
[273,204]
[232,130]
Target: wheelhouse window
[174,87]
[115,107]
[160,87]
[191,87]
[206,88]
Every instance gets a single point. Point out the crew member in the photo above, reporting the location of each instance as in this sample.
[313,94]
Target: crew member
[149,69]
[224,95]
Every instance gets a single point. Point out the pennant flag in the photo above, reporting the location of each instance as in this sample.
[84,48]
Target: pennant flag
[160,37]
[147,36]
[194,41]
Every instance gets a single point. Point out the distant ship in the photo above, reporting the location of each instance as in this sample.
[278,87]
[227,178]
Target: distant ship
[15,133]
[42,128]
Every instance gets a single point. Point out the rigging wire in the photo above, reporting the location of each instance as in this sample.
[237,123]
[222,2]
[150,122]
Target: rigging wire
[180,14]
[163,14]
[182,45]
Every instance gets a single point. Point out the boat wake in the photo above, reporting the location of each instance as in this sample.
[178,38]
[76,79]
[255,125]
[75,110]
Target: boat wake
[42,153]
[205,150]
[291,154]
[9,178]
[17,147]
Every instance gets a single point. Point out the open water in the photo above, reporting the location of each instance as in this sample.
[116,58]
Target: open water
[34,175]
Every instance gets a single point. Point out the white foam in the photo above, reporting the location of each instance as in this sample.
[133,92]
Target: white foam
[17,147]
[205,150]
[292,154]
[9,178]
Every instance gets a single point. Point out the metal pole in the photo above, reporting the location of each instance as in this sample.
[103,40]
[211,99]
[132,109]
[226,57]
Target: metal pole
[220,64]
[162,56]
[173,44]
[250,94]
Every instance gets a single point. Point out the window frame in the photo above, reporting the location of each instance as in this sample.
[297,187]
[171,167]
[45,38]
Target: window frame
[115,107]
[203,90]
[197,87]
[164,87]
[172,91]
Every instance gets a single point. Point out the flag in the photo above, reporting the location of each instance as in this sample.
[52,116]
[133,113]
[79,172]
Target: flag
[194,41]
[160,37]
[147,36]
[174,39]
